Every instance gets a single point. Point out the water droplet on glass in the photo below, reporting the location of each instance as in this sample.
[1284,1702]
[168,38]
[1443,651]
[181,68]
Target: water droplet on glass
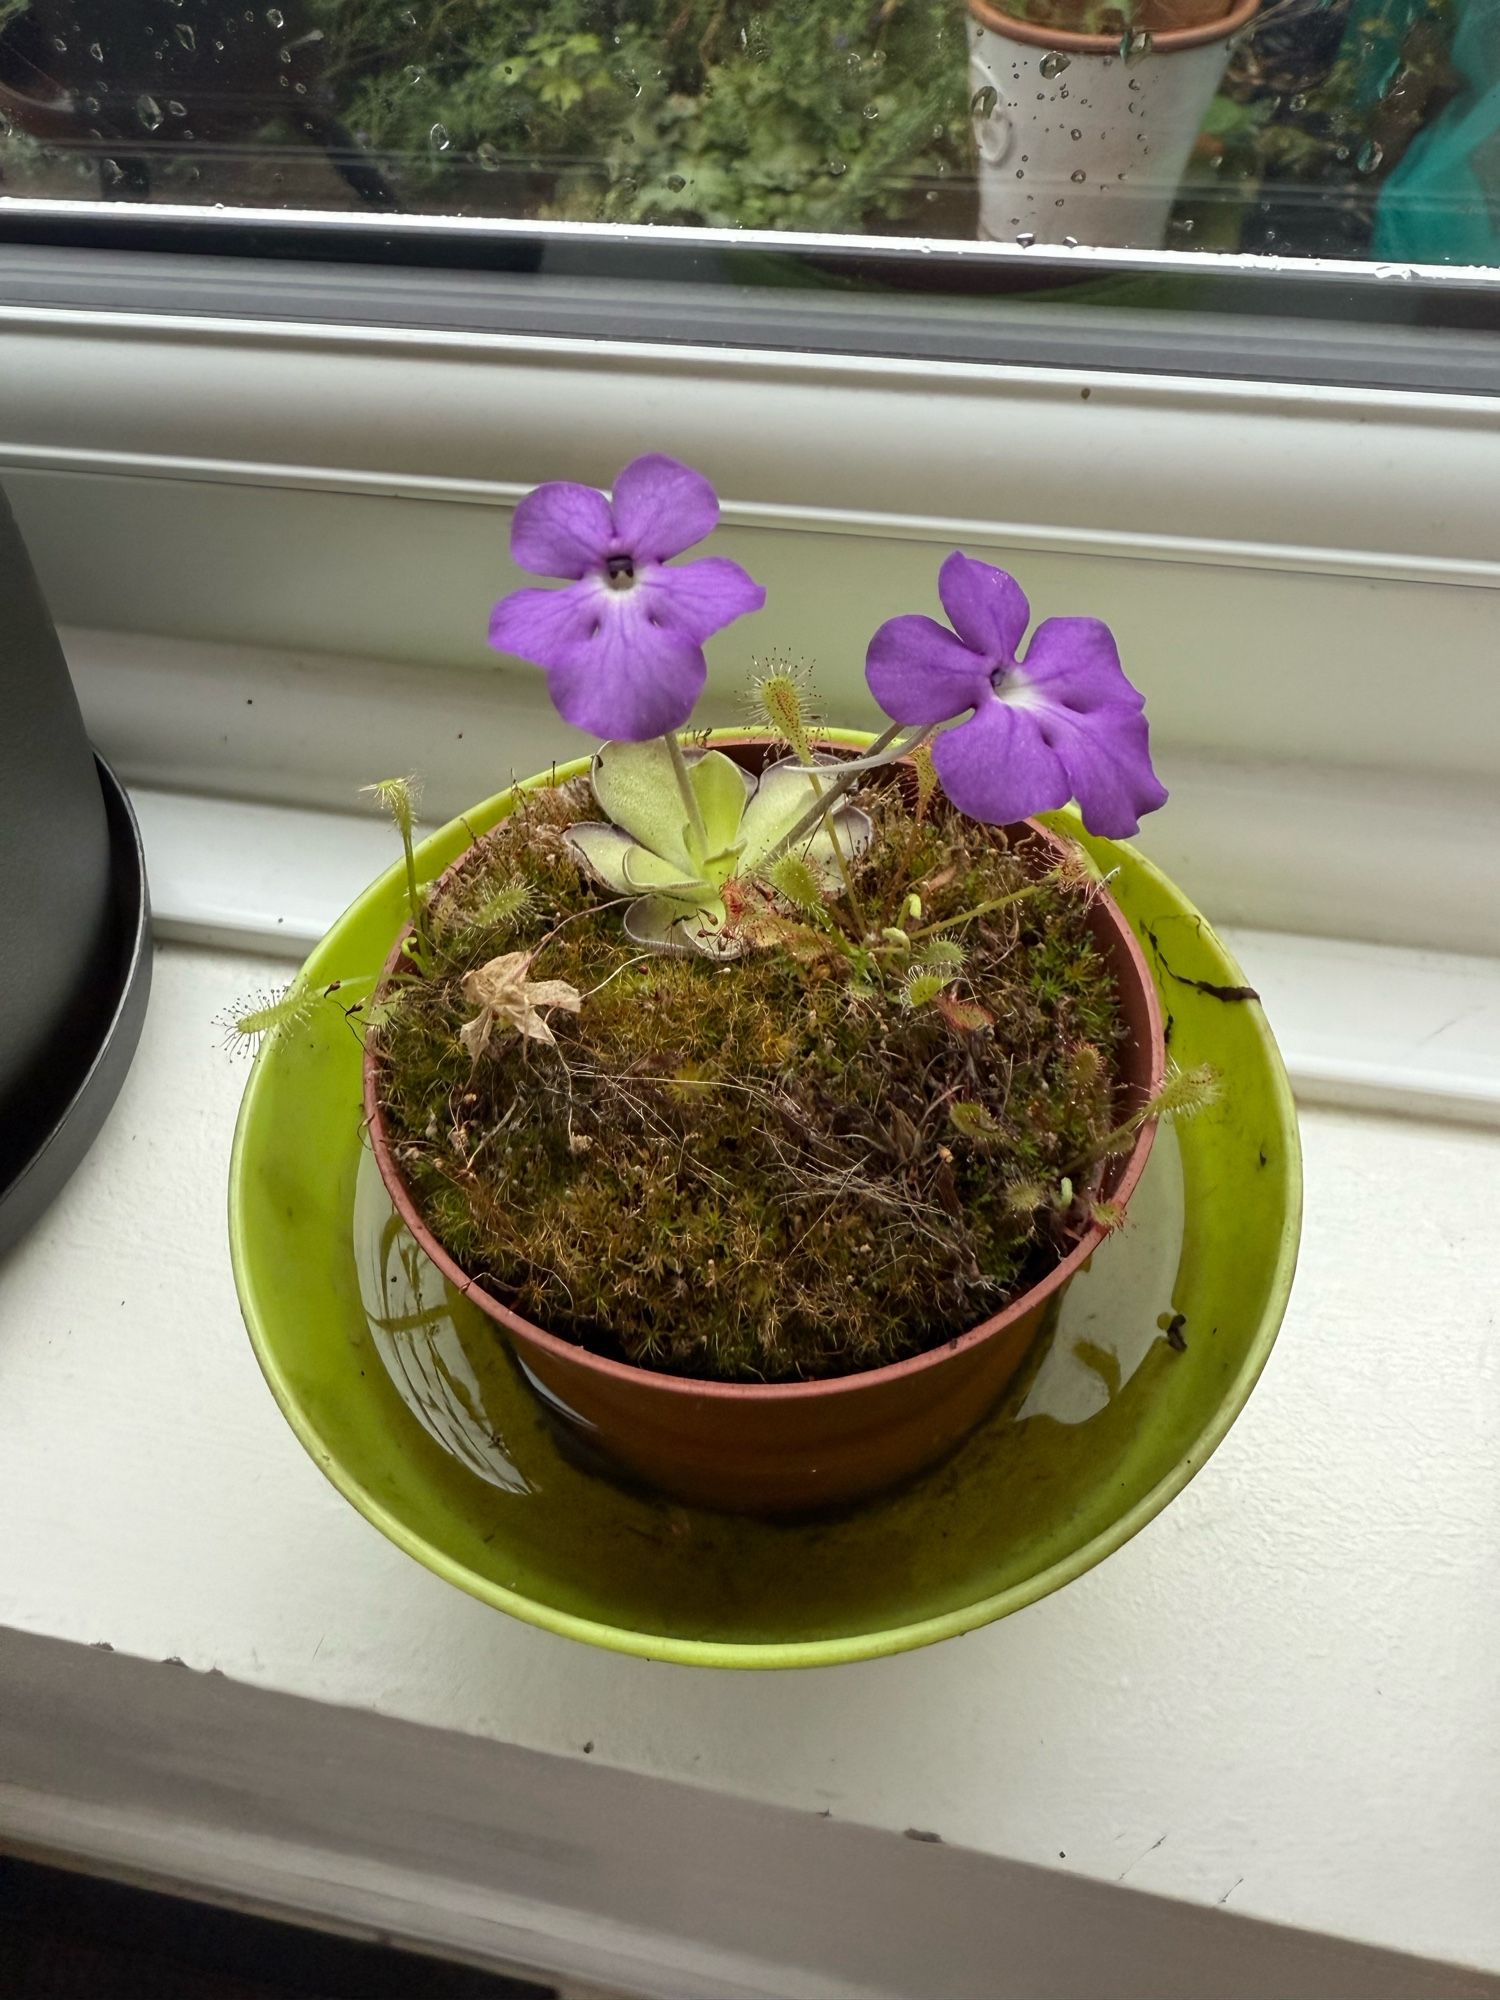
[408,18]
[185,35]
[1371,153]
[1026,239]
[983,102]
[676,183]
[148,111]
[939,131]
[872,111]
[931,195]
[412,73]
[177,110]
[1070,243]
[276,18]
[96,51]
[488,157]
[1135,48]
[1078,175]
[1075,133]
[438,139]
[837,167]
[60,45]
[1298,102]
[1053,63]
[113,173]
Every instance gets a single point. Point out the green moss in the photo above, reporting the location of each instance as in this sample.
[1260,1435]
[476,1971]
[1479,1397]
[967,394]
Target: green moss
[829,1155]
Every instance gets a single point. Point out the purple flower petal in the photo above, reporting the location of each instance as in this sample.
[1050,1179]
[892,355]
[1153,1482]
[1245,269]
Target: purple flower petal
[615,663]
[662,508]
[543,625]
[919,673]
[999,767]
[1062,723]
[1072,682]
[625,621]
[700,598]
[1075,662]
[562,529]
[986,607]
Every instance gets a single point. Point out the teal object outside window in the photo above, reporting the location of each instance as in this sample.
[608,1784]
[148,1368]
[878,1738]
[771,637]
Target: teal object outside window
[1442,203]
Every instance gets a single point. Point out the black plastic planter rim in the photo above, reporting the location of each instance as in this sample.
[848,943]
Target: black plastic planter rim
[124,975]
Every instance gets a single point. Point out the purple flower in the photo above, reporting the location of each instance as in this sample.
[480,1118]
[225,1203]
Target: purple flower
[623,643]
[1062,723]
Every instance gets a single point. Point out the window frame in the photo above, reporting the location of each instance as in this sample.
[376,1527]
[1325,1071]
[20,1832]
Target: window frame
[1237,316]
[294,531]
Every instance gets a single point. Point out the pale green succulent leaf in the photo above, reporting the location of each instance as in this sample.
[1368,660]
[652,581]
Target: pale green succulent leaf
[645,870]
[717,868]
[660,924]
[602,849]
[853,829]
[722,789]
[781,798]
[636,787]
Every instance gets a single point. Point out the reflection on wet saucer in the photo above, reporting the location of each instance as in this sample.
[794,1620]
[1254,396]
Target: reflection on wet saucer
[539,1503]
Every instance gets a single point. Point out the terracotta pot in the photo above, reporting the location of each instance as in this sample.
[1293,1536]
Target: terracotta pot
[1034,85]
[785,1448]
[1072,17]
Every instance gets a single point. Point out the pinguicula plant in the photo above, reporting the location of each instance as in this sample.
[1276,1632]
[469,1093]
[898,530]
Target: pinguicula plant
[622,646]
[773,1061]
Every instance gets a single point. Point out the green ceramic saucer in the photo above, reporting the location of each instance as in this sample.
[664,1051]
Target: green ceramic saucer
[407,1400]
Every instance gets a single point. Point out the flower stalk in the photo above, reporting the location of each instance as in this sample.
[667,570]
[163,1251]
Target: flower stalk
[399,798]
[689,797]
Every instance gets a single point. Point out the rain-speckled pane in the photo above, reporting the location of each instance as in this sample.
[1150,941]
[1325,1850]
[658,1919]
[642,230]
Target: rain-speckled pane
[1354,129]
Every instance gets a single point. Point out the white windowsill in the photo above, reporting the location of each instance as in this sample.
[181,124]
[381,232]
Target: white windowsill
[1278,1699]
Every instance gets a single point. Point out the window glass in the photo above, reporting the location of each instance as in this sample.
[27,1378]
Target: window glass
[1352,129]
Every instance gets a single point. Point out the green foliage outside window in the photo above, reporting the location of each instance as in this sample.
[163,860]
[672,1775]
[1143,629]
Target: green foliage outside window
[822,115]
